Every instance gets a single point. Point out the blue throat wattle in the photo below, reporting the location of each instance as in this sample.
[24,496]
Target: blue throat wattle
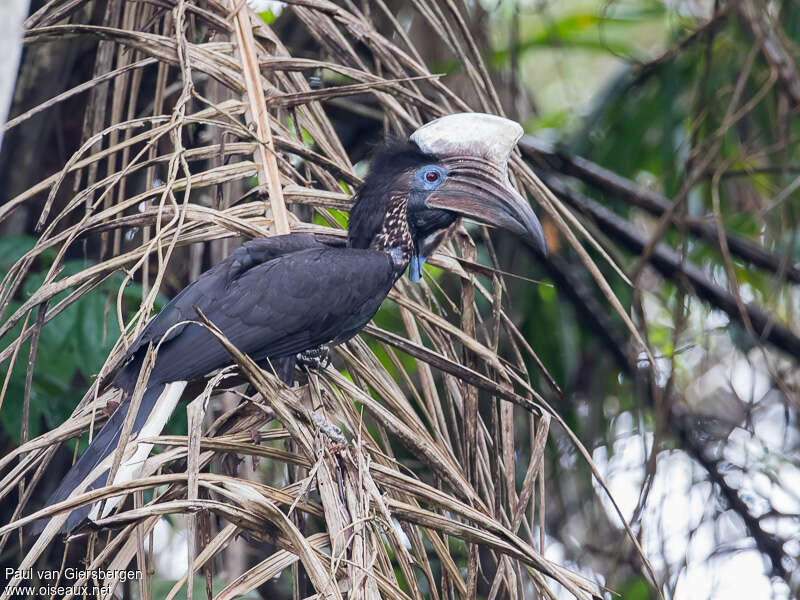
[415,267]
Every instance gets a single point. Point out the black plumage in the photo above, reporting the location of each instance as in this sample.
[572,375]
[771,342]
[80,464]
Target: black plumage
[389,163]
[276,297]
[304,305]
[272,298]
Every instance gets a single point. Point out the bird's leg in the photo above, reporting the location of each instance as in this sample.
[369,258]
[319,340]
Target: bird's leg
[255,437]
[316,358]
[331,431]
[110,408]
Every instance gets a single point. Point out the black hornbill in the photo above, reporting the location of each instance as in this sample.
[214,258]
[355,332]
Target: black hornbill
[276,297]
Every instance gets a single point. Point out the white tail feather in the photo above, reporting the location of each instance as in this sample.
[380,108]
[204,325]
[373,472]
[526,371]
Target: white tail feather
[131,467]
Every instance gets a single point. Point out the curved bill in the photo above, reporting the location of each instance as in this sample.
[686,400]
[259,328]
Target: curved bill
[475,149]
[475,189]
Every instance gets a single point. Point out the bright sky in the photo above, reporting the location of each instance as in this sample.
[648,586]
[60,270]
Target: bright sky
[678,522]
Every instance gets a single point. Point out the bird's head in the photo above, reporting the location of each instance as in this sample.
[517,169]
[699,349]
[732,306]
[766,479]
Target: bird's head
[455,166]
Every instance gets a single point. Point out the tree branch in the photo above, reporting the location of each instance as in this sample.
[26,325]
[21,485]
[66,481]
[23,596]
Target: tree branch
[670,264]
[772,46]
[769,545]
[607,181]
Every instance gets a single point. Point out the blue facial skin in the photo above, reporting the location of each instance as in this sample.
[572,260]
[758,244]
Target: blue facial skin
[426,180]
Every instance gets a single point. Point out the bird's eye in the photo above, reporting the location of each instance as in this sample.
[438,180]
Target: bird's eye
[431,177]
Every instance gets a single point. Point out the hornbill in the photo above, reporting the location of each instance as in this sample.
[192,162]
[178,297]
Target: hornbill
[279,296]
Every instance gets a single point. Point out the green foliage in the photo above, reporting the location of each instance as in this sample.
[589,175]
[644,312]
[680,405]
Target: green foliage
[73,345]
[267,16]
[587,67]
[587,29]
[162,587]
[635,588]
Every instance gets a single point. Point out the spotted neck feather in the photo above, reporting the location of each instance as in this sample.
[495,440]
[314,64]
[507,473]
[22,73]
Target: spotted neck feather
[395,236]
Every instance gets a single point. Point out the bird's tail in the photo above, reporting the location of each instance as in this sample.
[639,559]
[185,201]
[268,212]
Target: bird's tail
[155,408]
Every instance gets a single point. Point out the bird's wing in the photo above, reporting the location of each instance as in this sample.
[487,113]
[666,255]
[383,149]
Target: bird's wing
[213,284]
[270,308]
[295,301]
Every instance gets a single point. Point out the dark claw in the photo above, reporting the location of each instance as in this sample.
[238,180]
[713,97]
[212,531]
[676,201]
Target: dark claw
[315,358]
[255,436]
[110,408]
[331,431]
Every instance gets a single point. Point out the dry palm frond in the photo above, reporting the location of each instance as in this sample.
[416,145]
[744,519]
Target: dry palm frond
[383,526]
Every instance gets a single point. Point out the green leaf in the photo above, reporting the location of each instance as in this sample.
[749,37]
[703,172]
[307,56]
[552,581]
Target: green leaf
[162,587]
[97,330]
[12,248]
[634,589]
[267,16]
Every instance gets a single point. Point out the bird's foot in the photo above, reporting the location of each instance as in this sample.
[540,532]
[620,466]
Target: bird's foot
[255,437]
[110,408]
[331,431]
[315,358]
